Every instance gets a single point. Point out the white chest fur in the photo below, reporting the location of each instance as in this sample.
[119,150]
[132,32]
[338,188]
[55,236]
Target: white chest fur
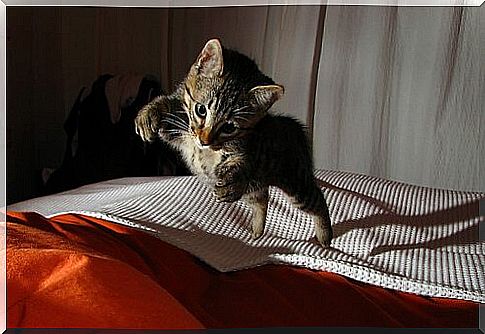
[201,162]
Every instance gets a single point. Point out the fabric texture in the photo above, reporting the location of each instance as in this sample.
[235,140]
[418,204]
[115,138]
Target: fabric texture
[84,272]
[121,91]
[390,234]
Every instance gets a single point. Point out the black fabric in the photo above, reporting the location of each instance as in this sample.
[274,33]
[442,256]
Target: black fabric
[106,150]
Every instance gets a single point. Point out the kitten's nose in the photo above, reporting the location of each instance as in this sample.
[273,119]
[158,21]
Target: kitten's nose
[204,137]
[204,142]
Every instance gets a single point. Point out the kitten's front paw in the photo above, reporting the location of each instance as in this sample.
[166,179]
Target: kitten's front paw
[226,174]
[146,125]
[149,119]
[230,186]
[229,192]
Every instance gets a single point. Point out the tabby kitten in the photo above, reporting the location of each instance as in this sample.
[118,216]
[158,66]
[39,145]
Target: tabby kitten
[218,119]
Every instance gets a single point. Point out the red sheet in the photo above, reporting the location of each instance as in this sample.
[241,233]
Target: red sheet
[77,271]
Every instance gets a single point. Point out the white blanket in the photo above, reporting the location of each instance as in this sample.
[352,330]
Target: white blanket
[390,234]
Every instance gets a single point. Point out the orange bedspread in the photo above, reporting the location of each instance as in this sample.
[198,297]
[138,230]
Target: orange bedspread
[77,271]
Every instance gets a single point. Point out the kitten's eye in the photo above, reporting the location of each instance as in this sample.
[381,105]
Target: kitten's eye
[200,110]
[228,128]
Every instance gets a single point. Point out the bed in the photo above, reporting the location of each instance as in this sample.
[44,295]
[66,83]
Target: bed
[161,253]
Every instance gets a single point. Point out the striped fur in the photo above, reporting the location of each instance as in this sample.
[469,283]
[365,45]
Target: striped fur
[218,119]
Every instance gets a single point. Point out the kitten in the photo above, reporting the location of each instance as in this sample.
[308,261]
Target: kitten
[218,119]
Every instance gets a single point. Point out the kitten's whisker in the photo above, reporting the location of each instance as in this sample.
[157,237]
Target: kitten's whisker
[181,122]
[242,118]
[240,109]
[174,116]
[178,133]
[176,128]
[173,131]
[175,123]
[244,112]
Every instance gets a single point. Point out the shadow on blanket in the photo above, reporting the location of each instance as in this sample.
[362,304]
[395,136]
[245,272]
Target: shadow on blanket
[467,235]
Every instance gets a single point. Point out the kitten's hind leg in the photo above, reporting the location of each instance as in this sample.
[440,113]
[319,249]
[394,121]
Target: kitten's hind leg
[258,201]
[313,202]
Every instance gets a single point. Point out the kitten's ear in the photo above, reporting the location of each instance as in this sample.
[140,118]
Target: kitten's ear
[265,96]
[209,63]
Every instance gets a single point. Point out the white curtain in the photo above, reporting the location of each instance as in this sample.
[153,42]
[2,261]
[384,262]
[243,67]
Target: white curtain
[398,95]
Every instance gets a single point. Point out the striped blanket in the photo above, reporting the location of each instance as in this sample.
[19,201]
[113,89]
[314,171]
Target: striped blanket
[391,234]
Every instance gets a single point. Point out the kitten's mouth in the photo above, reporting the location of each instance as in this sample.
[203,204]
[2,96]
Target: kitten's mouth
[204,147]
[200,145]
